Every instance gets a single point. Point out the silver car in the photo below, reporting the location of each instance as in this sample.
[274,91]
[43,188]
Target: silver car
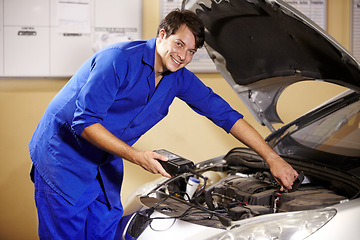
[261,47]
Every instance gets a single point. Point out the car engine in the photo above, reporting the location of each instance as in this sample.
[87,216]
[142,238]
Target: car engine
[236,187]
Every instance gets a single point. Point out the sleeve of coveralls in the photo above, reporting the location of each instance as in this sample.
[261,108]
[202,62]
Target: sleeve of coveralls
[207,103]
[98,94]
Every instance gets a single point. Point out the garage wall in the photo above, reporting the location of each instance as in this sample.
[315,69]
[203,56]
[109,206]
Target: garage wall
[23,101]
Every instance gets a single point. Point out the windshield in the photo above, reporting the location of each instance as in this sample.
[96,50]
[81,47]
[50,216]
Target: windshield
[337,133]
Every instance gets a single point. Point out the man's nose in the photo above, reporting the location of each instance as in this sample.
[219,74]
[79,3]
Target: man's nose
[182,54]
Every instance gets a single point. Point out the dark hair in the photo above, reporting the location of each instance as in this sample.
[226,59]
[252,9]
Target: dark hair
[176,18]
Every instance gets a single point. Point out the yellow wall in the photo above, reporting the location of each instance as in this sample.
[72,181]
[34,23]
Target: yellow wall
[22,102]
[338,21]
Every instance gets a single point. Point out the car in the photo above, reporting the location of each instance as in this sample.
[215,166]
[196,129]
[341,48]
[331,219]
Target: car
[261,47]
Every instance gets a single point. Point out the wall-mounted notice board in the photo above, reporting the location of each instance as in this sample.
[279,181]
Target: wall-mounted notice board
[355,29]
[52,38]
[313,9]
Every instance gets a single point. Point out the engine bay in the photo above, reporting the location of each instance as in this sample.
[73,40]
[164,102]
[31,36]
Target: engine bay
[239,186]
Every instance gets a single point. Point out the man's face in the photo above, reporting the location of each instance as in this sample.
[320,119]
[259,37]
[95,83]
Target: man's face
[175,51]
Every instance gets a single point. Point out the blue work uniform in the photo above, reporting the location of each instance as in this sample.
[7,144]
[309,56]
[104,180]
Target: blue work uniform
[116,88]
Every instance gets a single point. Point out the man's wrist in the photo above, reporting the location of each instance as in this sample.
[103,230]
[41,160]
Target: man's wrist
[272,157]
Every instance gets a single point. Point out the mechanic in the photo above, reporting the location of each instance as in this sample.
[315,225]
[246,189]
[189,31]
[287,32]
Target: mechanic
[115,97]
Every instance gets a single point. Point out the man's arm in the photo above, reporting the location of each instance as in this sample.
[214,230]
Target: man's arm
[99,136]
[284,174]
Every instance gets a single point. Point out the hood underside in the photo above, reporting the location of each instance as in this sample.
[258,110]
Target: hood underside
[263,46]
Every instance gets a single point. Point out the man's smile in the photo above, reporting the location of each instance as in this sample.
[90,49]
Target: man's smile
[176,61]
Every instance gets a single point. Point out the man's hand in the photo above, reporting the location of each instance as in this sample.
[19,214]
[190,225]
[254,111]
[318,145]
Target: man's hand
[283,173]
[102,138]
[150,161]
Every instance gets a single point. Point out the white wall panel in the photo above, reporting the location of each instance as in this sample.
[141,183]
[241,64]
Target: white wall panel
[26,12]
[68,52]
[122,13]
[122,23]
[1,38]
[26,51]
[54,12]
[36,42]
[26,37]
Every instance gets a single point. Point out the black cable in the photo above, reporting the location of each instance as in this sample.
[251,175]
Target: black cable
[224,219]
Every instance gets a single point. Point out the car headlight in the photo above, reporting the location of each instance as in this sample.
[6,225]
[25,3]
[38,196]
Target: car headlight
[294,226]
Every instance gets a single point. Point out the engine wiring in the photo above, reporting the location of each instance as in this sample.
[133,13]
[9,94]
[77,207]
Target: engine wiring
[250,195]
[224,219]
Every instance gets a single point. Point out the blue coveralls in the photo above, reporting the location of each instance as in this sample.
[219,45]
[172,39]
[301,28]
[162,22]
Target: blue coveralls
[116,88]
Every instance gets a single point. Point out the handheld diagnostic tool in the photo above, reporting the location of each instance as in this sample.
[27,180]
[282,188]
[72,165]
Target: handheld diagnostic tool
[176,164]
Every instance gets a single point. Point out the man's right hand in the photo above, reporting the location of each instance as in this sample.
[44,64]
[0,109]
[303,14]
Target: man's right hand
[149,160]
[99,136]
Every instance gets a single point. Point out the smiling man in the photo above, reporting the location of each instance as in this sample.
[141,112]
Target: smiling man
[175,51]
[111,101]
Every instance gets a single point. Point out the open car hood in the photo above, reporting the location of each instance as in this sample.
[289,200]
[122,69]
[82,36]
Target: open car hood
[262,46]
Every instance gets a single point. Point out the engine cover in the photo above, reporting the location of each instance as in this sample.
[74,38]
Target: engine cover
[238,190]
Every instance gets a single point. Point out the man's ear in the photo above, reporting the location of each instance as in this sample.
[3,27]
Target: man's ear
[162,34]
